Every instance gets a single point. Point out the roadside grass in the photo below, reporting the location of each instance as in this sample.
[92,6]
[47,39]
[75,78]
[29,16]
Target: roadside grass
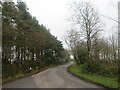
[108,82]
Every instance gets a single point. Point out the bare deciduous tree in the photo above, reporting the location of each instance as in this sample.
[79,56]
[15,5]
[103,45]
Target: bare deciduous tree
[72,39]
[88,19]
[114,45]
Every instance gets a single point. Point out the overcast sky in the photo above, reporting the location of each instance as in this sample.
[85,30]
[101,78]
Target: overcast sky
[53,14]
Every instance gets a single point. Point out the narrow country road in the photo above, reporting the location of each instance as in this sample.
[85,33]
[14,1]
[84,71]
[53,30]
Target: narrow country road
[57,77]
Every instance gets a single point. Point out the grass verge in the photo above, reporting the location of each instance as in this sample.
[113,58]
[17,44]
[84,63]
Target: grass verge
[107,82]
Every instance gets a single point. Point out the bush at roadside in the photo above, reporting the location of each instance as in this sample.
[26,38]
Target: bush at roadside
[97,67]
[91,67]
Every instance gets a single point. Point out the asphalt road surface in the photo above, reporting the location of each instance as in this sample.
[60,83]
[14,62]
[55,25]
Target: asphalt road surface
[57,77]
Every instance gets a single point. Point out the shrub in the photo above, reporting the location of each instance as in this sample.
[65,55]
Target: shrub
[82,55]
[91,67]
[9,70]
[109,70]
[100,68]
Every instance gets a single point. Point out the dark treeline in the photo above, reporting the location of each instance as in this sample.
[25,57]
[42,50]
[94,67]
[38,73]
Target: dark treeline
[26,44]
